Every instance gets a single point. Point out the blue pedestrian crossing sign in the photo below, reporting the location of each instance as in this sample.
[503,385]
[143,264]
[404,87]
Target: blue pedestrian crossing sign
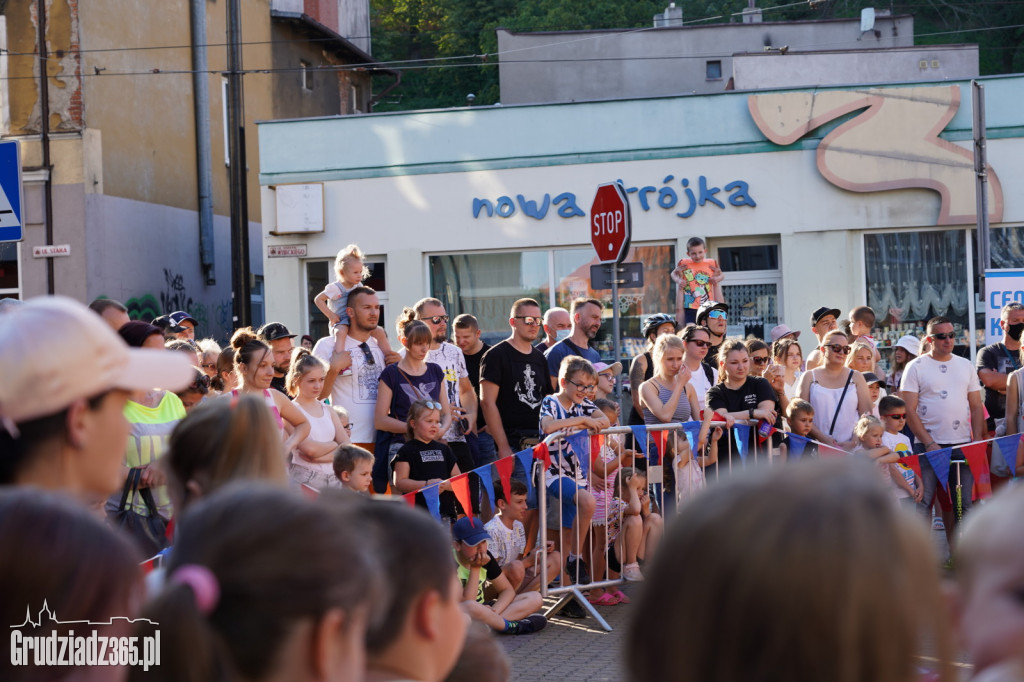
[11,228]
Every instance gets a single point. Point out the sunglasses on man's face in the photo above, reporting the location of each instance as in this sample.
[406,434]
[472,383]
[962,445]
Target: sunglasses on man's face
[529,320]
[839,348]
[718,315]
[436,319]
[944,337]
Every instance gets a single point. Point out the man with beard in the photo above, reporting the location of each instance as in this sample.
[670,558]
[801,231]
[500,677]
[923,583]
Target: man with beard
[995,363]
[586,322]
[277,336]
[357,391]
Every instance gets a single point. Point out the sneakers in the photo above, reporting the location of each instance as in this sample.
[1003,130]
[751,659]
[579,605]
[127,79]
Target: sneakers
[937,523]
[631,572]
[572,609]
[526,626]
[574,565]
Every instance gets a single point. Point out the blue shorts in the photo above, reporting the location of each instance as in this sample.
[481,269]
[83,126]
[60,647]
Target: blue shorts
[562,490]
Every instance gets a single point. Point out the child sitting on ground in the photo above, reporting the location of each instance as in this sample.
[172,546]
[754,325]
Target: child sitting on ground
[353,466]
[570,504]
[909,489]
[333,300]
[510,613]
[987,605]
[508,541]
[636,533]
[800,417]
[424,461]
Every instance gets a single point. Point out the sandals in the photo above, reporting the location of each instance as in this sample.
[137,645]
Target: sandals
[606,599]
[620,595]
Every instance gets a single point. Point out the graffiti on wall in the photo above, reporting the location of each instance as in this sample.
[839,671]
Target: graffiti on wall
[214,318]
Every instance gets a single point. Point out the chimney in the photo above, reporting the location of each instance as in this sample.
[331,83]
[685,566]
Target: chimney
[672,16]
[752,15]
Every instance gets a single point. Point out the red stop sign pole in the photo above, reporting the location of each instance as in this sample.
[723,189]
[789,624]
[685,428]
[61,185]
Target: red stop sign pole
[610,230]
[610,223]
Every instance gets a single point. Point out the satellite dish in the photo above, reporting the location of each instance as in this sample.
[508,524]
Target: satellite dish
[867,19]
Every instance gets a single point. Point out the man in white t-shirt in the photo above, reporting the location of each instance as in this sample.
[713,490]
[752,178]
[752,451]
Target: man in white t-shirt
[944,409]
[356,392]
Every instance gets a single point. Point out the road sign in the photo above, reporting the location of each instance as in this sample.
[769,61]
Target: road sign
[610,223]
[11,229]
[630,276]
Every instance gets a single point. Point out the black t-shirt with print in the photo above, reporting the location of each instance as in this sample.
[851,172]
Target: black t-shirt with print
[427,461]
[522,380]
[998,359]
[754,391]
[473,367]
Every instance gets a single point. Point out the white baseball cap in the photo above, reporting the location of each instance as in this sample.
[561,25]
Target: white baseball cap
[54,351]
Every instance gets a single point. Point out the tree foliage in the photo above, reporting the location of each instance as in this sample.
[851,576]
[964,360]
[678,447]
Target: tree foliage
[446,48]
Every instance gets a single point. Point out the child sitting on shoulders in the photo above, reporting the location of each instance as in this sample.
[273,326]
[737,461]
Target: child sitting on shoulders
[570,504]
[333,300]
[425,461]
[893,411]
[353,466]
[800,417]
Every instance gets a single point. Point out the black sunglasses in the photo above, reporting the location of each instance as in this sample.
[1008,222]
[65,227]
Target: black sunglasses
[837,348]
[366,353]
[944,337]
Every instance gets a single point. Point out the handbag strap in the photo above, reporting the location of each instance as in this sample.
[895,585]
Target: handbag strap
[149,501]
[130,484]
[414,387]
[846,387]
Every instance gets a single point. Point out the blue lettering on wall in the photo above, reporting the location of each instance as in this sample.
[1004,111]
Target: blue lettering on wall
[683,201]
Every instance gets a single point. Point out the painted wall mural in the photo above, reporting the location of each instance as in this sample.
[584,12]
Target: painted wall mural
[893,143]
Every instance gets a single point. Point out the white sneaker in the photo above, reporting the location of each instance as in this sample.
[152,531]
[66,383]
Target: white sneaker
[631,572]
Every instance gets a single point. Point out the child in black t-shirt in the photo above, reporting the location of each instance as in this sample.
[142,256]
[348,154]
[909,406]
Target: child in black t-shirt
[424,461]
[800,417]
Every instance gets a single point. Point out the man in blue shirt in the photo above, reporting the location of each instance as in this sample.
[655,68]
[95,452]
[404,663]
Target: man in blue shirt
[586,322]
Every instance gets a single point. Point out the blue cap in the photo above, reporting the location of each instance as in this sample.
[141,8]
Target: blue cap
[470,531]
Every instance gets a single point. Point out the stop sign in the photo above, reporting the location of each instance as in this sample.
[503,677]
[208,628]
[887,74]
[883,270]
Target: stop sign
[610,223]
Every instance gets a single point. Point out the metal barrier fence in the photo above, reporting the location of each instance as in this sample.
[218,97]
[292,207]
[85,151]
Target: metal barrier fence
[665,454]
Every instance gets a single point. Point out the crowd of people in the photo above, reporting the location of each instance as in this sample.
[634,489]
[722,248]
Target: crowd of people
[225,493]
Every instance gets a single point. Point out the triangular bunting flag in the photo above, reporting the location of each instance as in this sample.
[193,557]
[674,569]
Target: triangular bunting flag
[596,445]
[410,499]
[505,465]
[432,497]
[543,453]
[692,431]
[741,435]
[796,446]
[1008,449]
[460,486]
[639,436]
[976,455]
[914,462]
[660,440]
[939,459]
[579,442]
[526,459]
[487,480]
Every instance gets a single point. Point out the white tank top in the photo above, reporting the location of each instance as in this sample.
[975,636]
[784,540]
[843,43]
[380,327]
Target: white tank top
[825,400]
[321,429]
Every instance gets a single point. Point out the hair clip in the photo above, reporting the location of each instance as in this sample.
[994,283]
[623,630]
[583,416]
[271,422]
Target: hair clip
[203,583]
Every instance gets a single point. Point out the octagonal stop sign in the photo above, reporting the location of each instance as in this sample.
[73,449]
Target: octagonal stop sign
[610,224]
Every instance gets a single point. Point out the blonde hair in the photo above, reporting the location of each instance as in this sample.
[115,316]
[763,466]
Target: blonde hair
[855,348]
[787,550]
[416,411]
[302,362]
[834,332]
[662,344]
[865,424]
[350,252]
[728,346]
[222,441]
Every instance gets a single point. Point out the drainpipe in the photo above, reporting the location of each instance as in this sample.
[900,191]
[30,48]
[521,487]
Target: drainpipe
[44,137]
[201,112]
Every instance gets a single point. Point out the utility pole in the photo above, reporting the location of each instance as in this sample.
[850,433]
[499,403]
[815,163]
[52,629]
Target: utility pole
[44,139]
[981,181]
[240,287]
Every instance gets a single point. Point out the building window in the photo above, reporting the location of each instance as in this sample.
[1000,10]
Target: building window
[912,277]
[486,284]
[307,75]
[10,282]
[752,288]
[321,272]
[713,70]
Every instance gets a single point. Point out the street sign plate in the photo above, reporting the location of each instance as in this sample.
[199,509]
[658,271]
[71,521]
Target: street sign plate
[286,251]
[11,228]
[610,223]
[52,251]
[631,276]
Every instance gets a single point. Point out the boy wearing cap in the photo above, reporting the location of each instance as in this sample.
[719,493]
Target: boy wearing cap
[509,613]
[62,399]
[823,320]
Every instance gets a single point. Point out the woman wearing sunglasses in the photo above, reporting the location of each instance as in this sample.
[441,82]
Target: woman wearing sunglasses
[696,343]
[837,393]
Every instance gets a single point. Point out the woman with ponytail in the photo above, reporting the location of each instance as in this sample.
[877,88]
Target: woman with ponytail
[254,365]
[312,463]
[235,608]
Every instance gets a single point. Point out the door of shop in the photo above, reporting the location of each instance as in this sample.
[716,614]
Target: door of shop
[752,286]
